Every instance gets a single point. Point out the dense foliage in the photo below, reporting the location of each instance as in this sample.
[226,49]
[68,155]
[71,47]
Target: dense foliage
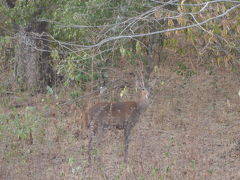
[84,35]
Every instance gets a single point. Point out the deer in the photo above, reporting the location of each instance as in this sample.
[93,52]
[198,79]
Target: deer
[116,115]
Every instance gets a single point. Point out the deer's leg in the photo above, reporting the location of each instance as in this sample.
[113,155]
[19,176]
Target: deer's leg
[96,133]
[92,132]
[127,132]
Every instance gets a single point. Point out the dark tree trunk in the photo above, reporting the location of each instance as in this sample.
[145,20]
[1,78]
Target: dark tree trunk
[33,70]
[33,67]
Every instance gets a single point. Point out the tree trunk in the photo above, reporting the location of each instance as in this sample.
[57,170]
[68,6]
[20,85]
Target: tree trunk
[33,67]
[33,70]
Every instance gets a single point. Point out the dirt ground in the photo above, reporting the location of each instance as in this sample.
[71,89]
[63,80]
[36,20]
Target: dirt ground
[190,131]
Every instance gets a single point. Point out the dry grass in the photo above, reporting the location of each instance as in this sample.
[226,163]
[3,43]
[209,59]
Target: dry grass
[191,131]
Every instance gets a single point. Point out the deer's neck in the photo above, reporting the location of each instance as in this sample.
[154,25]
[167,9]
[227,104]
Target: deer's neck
[143,104]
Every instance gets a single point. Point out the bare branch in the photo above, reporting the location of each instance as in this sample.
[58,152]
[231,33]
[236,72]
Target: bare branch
[131,36]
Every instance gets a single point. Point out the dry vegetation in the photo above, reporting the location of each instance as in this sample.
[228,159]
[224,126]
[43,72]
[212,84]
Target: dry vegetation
[190,131]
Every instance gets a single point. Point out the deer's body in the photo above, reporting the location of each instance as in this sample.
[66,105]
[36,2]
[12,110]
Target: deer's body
[119,115]
[111,114]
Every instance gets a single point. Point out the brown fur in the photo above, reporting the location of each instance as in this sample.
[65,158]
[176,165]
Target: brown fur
[119,115]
